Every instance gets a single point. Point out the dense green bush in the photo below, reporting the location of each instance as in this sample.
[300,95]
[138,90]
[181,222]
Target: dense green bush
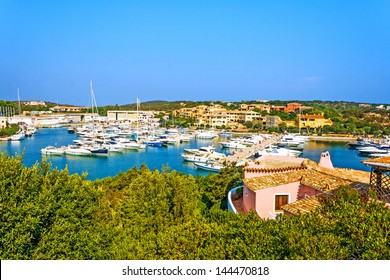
[145,214]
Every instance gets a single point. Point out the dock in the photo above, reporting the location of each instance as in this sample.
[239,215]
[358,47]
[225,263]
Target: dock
[248,152]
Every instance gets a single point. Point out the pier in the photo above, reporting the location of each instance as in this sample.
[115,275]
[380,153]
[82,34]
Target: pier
[250,151]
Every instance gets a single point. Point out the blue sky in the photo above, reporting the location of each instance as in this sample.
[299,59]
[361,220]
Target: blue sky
[195,50]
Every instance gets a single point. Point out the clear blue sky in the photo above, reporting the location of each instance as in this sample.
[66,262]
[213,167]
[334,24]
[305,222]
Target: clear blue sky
[195,50]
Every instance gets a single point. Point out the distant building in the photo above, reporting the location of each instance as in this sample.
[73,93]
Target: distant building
[272,121]
[3,122]
[68,109]
[290,123]
[34,103]
[312,121]
[143,116]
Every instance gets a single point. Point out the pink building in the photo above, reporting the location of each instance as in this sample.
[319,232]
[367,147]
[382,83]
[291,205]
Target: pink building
[285,185]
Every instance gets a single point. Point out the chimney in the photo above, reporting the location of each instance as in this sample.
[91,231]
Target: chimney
[325,160]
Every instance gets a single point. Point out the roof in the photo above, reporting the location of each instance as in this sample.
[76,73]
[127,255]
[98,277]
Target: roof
[277,179]
[315,179]
[381,163]
[324,182]
[303,206]
[344,173]
[378,160]
[312,117]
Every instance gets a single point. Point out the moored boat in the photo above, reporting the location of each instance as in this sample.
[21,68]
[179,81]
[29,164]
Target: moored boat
[77,151]
[53,151]
[18,137]
[209,166]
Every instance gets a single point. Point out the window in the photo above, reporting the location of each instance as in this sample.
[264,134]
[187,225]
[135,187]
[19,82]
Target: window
[280,200]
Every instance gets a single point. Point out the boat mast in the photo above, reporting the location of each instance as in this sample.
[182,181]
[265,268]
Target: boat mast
[137,119]
[19,103]
[91,93]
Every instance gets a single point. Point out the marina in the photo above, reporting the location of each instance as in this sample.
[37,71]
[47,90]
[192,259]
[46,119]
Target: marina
[99,167]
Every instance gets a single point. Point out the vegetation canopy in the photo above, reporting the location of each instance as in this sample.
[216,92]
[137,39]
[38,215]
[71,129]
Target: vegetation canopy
[146,214]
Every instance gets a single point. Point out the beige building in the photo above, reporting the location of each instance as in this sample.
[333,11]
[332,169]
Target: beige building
[272,121]
[3,122]
[217,115]
[143,116]
[312,121]
[68,109]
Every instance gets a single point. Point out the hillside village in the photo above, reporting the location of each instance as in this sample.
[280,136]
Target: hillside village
[273,116]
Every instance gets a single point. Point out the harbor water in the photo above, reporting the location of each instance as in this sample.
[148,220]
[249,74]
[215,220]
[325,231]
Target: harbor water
[152,157]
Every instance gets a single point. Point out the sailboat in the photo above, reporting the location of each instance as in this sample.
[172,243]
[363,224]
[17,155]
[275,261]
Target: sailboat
[96,150]
[20,135]
[141,145]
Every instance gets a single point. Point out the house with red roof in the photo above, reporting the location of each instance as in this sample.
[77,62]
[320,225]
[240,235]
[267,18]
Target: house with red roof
[286,185]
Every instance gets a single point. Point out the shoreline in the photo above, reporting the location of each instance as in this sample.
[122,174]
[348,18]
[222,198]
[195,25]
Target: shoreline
[332,138]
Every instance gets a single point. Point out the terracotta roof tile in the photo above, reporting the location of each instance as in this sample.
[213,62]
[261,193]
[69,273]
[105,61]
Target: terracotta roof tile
[381,160]
[309,177]
[303,206]
[277,179]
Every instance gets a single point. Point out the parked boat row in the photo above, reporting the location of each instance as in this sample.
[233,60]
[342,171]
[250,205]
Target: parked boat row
[371,148]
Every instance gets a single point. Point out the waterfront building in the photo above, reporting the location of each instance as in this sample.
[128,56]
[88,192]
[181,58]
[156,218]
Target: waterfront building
[3,122]
[143,116]
[285,185]
[68,108]
[216,115]
[312,121]
[272,121]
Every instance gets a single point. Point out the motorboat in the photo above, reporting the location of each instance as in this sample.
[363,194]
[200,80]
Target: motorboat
[208,166]
[203,157]
[18,137]
[206,135]
[205,149]
[372,150]
[53,151]
[232,145]
[273,151]
[77,151]
[97,150]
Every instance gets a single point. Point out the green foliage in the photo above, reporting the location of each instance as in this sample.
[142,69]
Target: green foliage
[145,214]
[11,130]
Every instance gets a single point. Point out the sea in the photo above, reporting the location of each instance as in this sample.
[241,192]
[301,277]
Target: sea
[153,157]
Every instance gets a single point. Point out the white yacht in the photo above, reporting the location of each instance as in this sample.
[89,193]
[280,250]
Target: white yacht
[232,145]
[18,137]
[77,151]
[205,149]
[53,151]
[203,157]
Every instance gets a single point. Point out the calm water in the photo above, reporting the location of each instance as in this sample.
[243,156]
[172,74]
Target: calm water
[153,157]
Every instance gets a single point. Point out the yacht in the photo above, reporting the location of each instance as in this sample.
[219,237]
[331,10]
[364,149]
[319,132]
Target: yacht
[232,145]
[277,151]
[205,149]
[77,151]
[203,157]
[18,137]
[53,151]
[209,166]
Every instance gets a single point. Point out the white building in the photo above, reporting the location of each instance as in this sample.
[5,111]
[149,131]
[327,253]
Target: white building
[3,122]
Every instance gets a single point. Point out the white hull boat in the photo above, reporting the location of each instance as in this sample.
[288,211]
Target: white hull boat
[53,151]
[208,166]
[76,151]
